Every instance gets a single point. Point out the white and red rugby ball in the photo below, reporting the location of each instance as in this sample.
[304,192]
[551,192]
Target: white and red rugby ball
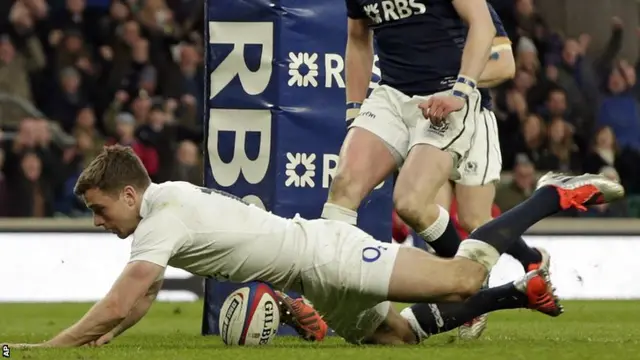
[249,316]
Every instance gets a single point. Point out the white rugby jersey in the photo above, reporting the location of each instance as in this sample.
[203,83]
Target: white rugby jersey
[214,234]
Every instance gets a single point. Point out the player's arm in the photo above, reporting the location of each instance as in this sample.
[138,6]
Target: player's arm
[138,312]
[154,243]
[501,65]
[358,59]
[133,284]
[477,48]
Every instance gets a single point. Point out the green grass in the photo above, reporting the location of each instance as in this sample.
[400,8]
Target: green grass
[588,330]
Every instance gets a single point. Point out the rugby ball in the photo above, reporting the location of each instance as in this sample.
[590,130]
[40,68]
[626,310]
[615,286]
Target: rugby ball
[249,316]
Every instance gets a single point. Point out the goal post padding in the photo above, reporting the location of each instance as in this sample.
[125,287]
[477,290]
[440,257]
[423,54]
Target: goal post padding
[274,117]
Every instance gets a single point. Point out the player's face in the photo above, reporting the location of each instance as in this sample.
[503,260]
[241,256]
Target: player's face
[117,213]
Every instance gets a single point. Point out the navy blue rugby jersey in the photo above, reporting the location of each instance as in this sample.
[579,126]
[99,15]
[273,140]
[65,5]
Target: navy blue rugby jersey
[418,42]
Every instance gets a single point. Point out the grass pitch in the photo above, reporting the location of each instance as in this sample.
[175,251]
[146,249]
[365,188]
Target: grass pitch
[588,330]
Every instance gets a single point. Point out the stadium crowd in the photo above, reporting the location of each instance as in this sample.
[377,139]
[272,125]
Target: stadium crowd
[78,74]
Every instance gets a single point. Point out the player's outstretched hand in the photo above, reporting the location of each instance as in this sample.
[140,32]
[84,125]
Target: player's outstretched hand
[103,340]
[437,108]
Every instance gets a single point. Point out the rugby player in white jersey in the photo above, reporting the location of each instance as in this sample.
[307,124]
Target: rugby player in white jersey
[349,276]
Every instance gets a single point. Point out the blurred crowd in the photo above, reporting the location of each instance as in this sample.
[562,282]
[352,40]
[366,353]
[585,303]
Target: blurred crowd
[568,108]
[78,74]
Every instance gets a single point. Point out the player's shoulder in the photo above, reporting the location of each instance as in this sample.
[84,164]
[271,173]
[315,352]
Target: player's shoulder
[164,205]
[171,194]
[163,221]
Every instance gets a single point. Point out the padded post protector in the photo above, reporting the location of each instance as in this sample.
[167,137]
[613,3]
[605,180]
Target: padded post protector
[275,110]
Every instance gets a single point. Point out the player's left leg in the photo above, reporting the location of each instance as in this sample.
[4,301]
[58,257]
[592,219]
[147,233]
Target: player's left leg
[434,156]
[420,321]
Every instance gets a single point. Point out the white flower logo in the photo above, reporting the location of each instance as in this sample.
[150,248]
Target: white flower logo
[304,180]
[308,60]
[373,13]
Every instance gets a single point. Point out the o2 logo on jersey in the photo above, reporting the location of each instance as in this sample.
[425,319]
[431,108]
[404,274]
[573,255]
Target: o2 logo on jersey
[391,10]
[372,253]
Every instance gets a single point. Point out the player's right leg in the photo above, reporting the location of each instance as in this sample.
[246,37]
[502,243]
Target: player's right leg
[462,276]
[375,146]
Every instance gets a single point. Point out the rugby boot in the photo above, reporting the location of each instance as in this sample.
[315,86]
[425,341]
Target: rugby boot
[540,293]
[582,190]
[473,329]
[302,317]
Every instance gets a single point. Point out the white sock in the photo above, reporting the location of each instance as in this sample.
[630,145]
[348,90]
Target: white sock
[435,230]
[339,213]
[408,314]
[480,252]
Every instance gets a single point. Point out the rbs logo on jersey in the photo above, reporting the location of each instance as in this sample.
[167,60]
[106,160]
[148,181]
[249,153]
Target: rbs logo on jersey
[391,10]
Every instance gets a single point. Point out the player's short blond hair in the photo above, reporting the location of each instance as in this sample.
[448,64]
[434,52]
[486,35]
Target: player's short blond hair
[113,169]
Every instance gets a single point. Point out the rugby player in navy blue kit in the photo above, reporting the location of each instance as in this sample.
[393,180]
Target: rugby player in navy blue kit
[426,115]
[475,189]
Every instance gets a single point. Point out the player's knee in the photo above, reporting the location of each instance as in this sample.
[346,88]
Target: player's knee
[468,287]
[406,207]
[346,189]
[414,212]
[467,283]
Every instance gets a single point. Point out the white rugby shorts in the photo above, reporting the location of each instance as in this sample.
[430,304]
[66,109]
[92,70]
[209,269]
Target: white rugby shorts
[483,164]
[396,119]
[346,275]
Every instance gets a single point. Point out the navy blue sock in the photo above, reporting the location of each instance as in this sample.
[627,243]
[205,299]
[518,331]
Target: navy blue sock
[448,243]
[525,254]
[503,231]
[442,317]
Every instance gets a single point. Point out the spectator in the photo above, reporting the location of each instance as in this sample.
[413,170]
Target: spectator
[561,153]
[187,164]
[108,26]
[520,188]
[17,62]
[157,18]
[90,141]
[67,101]
[192,82]
[604,151]
[72,51]
[125,135]
[511,120]
[556,106]
[76,15]
[156,134]
[531,142]
[140,107]
[619,109]
[31,195]
[527,56]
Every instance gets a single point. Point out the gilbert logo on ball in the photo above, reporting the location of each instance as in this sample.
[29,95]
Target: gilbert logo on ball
[249,316]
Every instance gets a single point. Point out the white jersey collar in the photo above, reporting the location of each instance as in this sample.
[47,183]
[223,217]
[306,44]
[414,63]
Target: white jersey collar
[147,199]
